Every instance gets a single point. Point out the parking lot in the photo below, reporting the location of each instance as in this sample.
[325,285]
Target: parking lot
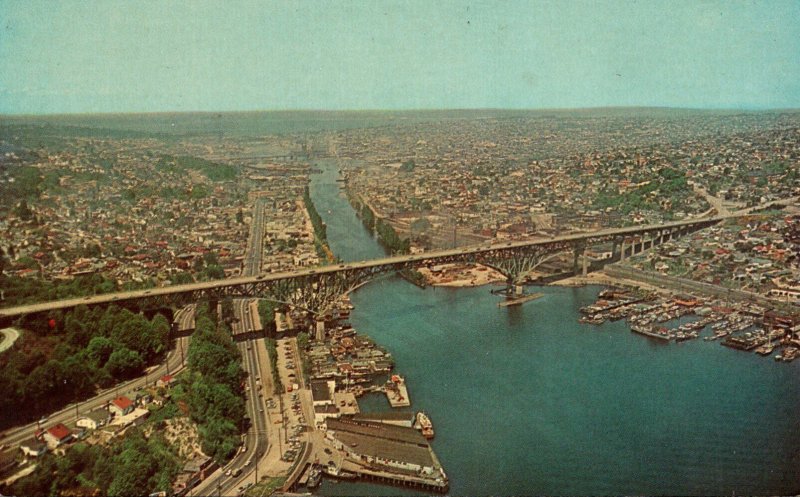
[292,410]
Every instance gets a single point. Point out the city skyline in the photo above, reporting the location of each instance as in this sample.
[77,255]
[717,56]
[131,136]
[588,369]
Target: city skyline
[69,57]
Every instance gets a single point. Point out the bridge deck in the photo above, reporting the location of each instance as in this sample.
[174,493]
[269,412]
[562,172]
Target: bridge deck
[403,261]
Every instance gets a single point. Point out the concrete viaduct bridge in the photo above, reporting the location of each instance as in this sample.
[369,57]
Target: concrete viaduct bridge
[315,290]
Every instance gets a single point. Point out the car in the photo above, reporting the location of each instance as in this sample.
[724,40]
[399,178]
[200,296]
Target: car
[260,409]
[229,472]
[147,292]
[244,448]
[236,472]
[87,298]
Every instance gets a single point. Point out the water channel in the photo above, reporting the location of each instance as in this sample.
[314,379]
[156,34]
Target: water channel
[525,400]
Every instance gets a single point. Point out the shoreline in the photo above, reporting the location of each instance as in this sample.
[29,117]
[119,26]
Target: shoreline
[461,276]
[603,279]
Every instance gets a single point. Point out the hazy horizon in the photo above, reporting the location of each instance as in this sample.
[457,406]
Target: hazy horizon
[72,57]
[408,111]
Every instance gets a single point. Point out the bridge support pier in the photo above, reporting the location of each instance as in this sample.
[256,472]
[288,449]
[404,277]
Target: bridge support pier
[319,330]
[585,261]
[576,254]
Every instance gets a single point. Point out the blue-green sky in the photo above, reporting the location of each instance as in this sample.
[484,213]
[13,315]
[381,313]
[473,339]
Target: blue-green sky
[141,56]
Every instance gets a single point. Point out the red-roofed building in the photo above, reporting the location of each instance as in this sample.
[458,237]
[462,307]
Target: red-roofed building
[165,381]
[121,406]
[57,435]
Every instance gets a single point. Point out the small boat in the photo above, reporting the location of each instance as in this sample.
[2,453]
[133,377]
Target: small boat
[424,425]
[314,477]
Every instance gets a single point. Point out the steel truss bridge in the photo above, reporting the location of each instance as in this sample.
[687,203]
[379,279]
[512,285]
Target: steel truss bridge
[315,290]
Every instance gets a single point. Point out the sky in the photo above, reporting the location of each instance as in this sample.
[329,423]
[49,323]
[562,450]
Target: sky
[158,56]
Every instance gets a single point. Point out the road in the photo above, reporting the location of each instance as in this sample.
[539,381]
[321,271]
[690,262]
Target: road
[175,361]
[425,258]
[713,201]
[255,441]
[10,336]
[251,273]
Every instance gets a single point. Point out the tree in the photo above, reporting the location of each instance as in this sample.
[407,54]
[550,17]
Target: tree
[124,363]
[133,332]
[23,211]
[99,350]
[4,262]
[210,258]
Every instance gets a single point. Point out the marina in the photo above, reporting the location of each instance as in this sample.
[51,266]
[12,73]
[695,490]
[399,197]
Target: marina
[599,369]
[650,315]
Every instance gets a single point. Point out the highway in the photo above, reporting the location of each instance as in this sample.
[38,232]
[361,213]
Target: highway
[252,275]
[422,259]
[255,446]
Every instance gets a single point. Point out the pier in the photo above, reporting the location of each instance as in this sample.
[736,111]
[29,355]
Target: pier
[520,300]
[384,452]
[397,392]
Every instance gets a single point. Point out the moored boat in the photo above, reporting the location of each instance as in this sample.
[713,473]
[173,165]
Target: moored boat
[424,425]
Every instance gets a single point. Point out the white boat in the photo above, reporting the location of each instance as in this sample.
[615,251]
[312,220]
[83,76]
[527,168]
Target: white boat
[424,425]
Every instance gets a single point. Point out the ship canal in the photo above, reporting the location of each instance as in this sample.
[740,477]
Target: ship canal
[527,400]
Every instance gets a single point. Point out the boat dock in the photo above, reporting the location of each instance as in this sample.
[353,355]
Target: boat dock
[396,477]
[520,300]
[394,454]
[397,392]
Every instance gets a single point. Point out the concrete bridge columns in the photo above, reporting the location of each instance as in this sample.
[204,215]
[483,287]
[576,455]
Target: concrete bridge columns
[576,254]
[622,250]
[585,261]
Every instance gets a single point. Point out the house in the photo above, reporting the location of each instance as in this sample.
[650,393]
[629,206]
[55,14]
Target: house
[121,406]
[33,447]
[133,418]
[57,435]
[94,420]
[165,381]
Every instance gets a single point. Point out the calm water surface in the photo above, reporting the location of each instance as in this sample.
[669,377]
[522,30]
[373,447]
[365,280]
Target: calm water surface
[525,400]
